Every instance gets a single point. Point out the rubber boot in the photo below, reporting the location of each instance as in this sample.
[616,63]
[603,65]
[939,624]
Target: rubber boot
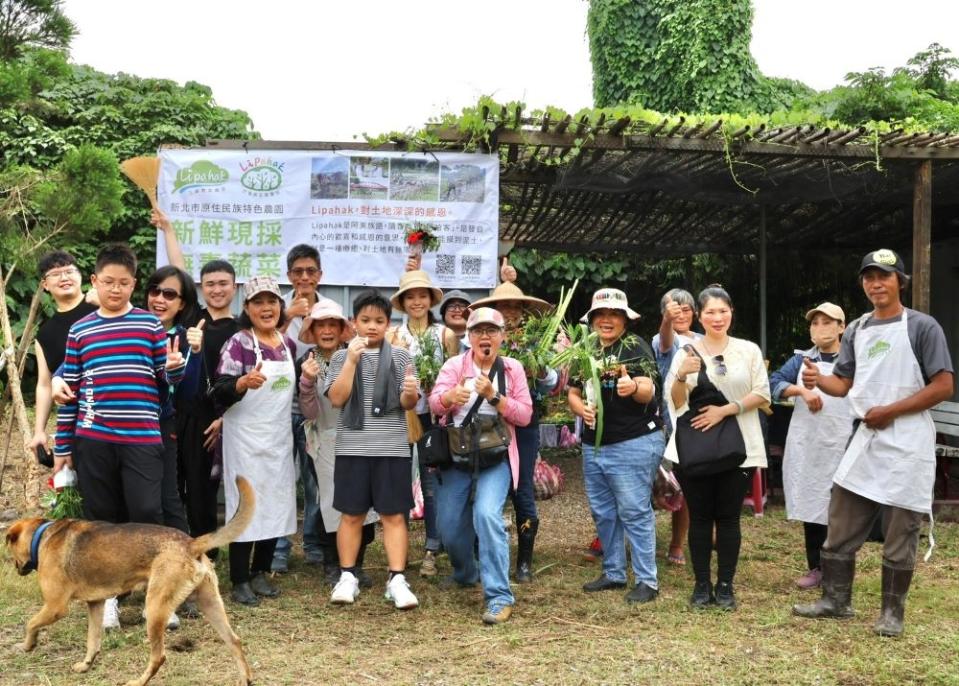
[836,601]
[524,551]
[895,586]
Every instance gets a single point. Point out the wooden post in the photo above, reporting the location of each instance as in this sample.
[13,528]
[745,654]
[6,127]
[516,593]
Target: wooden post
[922,236]
[762,279]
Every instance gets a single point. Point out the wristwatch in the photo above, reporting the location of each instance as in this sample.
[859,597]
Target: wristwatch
[494,401]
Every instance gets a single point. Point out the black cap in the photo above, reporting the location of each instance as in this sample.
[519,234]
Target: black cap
[884,259]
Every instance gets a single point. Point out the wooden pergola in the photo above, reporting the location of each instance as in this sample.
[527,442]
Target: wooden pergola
[673,188]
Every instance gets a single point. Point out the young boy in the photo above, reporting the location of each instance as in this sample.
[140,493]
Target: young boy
[61,278]
[117,364]
[374,384]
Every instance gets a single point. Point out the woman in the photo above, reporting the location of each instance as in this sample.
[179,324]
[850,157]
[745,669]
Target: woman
[454,309]
[172,298]
[619,475]
[255,381]
[323,329]
[818,433]
[514,305]
[414,298]
[736,367]
[496,386]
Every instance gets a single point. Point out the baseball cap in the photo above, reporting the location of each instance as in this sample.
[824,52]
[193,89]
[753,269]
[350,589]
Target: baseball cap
[485,315]
[884,259]
[260,284]
[828,309]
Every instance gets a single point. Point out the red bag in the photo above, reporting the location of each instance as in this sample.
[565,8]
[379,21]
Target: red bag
[547,479]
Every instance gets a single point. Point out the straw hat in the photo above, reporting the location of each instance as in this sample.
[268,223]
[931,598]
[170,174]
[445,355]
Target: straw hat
[510,291]
[415,279]
[326,308]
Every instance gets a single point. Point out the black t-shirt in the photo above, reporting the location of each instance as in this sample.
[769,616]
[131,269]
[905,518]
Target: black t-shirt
[52,335]
[216,332]
[624,418]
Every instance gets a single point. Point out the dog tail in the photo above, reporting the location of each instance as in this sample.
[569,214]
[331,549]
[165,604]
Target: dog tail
[233,528]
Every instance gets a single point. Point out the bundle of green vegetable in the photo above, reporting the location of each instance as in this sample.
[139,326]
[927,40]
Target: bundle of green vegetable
[428,360]
[532,343]
[63,502]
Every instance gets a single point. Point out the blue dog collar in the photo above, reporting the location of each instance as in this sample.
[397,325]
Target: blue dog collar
[35,547]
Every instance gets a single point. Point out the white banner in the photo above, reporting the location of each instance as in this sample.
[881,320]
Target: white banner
[355,207]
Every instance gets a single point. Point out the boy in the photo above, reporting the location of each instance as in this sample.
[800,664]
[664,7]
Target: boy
[373,383]
[61,278]
[117,364]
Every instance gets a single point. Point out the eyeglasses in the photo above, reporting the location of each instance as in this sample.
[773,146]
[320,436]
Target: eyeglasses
[456,307]
[720,365]
[305,271]
[486,331]
[167,293]
[110,284]
[60,273]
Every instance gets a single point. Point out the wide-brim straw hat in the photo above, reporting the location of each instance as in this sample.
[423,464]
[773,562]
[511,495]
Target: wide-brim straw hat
[510,291]
[325,308]
[415,279]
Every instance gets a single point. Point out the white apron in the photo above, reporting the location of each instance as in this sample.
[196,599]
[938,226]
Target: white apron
[321,445]
[814,446]
[896,465]
[258,444]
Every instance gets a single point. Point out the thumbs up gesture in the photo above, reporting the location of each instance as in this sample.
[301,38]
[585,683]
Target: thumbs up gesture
[311,368]
[174,358]
[625,386]
[507,272]
[672,310]
[810,373]
[299,306]
[194,336]
[411,385]
[253,379]
[459,394]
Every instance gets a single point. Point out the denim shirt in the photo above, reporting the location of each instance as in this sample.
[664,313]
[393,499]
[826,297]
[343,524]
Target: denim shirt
[786,376]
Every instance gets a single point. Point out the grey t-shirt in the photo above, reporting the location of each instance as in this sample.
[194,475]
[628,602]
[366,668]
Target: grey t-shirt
[927,338]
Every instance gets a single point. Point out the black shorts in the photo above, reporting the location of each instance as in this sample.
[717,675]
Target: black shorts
[382,483]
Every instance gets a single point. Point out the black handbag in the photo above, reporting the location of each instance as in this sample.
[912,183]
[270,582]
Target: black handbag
[434,447]
[721,448]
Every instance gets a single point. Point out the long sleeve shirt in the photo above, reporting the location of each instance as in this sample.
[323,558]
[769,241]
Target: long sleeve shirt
[116,369]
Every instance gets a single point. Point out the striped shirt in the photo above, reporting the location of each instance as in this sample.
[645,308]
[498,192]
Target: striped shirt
[116,368]
[380,436]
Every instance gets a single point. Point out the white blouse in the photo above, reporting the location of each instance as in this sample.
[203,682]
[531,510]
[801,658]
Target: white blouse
[745,374]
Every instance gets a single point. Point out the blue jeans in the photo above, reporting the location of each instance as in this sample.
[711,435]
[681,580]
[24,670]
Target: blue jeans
[524,501]
[619,486]
[460,523]
[311,510]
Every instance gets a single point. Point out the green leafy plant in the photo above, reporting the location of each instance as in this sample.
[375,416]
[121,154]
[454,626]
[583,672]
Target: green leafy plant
[429,360]
[62,503]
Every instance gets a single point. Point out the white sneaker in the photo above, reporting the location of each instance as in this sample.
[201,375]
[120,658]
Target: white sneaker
[346,589]
[398,590]
[111,614]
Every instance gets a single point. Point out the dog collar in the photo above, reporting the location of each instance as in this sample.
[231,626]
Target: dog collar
[35,547]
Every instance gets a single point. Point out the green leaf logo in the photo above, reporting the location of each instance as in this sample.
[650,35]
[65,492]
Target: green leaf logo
[262,178]
[281,384]
[878,349]
[200,173]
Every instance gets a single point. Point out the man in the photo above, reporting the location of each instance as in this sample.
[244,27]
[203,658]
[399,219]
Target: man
[894,366]
[61,278]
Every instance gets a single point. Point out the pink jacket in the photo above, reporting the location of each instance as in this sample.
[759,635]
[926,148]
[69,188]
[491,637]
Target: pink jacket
[518,408]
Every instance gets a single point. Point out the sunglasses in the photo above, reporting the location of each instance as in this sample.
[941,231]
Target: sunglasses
[167,293]
[720,365]
[305,271]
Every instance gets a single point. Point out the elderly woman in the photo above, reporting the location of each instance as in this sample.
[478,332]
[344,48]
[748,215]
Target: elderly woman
[736,368]
[619,474]
[454,309]
[495,386]
[256,381]
[514,305]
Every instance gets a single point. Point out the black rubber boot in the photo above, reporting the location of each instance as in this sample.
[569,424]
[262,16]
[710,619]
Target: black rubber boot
[526,533]
[895,586]
[836,601]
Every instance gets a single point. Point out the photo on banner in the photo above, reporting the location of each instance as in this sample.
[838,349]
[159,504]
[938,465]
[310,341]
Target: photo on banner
[356,207]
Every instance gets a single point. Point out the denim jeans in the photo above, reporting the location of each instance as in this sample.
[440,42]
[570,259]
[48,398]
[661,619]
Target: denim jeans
[524,501]
[311,509]
[460,523]
[619,485]
[428,486]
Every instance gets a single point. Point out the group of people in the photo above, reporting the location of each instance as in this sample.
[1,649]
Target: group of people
[160,404]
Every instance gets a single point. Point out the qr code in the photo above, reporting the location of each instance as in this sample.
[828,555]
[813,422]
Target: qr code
[471,264]
[446,264]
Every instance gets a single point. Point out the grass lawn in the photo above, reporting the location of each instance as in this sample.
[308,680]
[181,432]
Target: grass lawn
[558,634]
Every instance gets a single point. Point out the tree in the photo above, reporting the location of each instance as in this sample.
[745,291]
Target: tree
[28,24]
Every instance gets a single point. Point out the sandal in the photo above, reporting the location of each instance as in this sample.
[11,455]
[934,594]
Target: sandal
[676,558]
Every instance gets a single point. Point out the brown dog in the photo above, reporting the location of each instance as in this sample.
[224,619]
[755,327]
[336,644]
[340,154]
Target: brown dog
[93,561]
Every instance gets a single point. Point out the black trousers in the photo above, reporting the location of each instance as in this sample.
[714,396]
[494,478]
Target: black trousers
[120,482]
[715,501]
[195,463]
[173,515]
[815,535]
[241,570]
